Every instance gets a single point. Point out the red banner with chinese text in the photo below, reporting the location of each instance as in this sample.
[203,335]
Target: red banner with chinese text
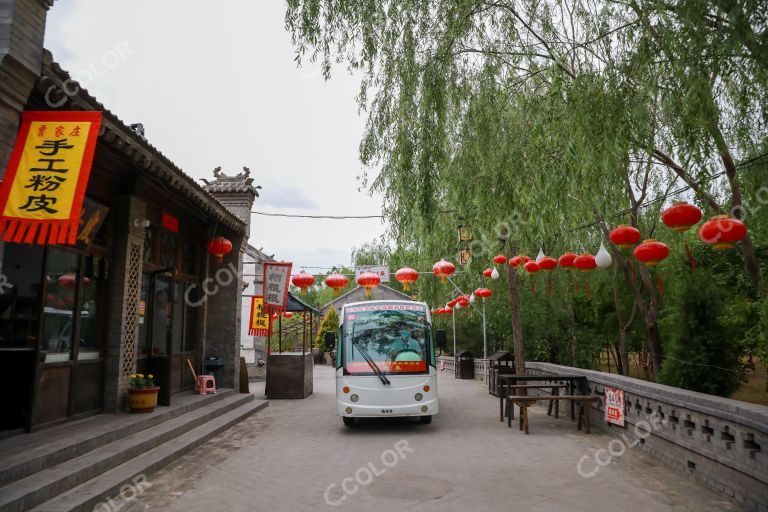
[42,192]
[260,323]
[388,366]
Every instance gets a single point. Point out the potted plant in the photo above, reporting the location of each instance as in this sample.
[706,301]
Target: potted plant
[142,393]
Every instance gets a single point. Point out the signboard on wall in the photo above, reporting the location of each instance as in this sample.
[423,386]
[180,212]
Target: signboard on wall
[260,324]
[614,406]
[42,191]
[380,270]
[277,277]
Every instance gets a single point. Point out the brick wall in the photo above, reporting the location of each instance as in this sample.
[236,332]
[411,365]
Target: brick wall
[721,443]
[22,28]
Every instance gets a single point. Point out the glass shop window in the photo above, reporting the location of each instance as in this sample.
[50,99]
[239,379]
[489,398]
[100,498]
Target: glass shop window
[167,249]
[20,288]
[61,277]
[161,315]
[143,314]
[190,317]
[92,308]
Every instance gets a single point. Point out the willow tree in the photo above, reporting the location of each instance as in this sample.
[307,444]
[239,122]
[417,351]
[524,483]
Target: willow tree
[532,118]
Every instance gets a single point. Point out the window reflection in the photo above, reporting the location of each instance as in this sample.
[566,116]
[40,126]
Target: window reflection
[61,277]
[20,298]
[94,283]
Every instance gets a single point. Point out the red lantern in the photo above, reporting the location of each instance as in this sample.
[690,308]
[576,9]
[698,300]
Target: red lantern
[651,252]
[722,232]
[681,216]
[548,264]
[531,267]
[499,260]
[516,261]
[566,260]
[337,282]
[287,314]
[67,281]
[406,276]
[625,236]
[369,281]
[487,273]
[463,302]
[303,280]
[218,248]
[443,269]
[483,293]
[452,304]
[585,262]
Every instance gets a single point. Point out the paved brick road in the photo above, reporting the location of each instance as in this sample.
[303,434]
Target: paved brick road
[287,456]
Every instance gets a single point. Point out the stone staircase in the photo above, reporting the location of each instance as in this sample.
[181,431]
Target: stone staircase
[76,466]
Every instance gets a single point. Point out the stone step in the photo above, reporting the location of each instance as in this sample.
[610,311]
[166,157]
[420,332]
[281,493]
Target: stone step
[25,454]
[98,491]
[41,486]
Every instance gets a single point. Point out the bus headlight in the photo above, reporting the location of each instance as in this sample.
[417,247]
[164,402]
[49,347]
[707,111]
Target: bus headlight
[354,398]
[419,397]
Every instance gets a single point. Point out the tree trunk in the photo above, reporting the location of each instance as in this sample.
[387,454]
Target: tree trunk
[517,330]
[650,311]
[622,355]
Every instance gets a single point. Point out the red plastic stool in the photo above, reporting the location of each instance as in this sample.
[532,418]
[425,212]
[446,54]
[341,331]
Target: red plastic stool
[205,384]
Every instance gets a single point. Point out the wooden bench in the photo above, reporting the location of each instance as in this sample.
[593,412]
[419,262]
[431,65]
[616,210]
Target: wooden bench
[523,402]
[554,390]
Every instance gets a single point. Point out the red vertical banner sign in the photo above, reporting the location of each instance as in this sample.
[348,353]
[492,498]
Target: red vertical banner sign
[260,324]
[42,192]
[614,406]
[277,277]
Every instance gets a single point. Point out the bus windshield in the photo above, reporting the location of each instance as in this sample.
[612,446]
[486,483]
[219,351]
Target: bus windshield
[393,337]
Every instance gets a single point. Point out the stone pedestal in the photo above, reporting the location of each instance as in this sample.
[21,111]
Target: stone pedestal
[289,375]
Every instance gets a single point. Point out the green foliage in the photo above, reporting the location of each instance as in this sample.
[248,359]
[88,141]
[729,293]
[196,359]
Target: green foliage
[330,323]
[701,356]
[527,121]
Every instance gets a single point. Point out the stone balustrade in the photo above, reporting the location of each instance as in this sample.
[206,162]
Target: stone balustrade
[719,442]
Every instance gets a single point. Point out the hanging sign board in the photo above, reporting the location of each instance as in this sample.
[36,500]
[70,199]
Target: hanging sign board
[380,270]
[42,192]
[260,324]
[92,216]
[614,406]
[277,277]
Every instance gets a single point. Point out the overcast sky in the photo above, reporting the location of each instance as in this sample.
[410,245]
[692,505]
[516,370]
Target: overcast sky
[215,83]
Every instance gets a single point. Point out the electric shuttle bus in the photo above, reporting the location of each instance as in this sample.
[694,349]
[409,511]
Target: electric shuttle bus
[385,362]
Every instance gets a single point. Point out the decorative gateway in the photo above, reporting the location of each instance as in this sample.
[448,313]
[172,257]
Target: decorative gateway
[42,192]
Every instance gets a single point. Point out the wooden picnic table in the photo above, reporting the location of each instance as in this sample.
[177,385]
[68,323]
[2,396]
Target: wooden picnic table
[554,390]
[573,382]
[524,402]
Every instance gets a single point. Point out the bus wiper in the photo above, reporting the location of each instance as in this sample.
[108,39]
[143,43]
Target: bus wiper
[371,362]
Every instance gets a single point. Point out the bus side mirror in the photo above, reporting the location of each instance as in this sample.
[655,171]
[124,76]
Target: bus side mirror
[330,340]
[440,340]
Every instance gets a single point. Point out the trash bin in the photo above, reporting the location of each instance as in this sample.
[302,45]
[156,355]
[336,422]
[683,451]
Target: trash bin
[500,363]
[213,366]
[466,365]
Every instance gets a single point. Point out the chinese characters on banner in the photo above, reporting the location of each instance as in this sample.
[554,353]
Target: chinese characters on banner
[277,276]
[614,406]
[42,192]
[260,324]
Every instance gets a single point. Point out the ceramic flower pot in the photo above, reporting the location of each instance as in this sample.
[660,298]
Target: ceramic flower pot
[142,400]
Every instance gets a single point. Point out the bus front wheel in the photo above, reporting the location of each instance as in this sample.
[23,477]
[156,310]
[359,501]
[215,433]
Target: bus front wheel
[348,421]
[426,420]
